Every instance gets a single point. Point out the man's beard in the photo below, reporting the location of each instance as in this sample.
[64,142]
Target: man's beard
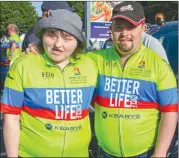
[124,49]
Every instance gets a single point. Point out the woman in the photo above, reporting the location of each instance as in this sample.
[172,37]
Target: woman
[46,97]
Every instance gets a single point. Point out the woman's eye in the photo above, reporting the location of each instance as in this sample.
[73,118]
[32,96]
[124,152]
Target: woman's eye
[67,38]
[51,35]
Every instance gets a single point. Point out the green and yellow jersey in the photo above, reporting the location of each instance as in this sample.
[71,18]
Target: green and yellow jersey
[14,38]
[129,100]
[53,105]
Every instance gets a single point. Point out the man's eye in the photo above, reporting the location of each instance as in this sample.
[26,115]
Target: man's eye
[118,27]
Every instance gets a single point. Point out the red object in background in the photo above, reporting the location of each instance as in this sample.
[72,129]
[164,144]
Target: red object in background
[4,63]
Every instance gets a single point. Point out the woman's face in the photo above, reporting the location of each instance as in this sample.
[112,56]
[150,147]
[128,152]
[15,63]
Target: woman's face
[59,45]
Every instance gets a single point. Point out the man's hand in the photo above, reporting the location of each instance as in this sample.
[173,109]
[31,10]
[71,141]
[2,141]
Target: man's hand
[34,48]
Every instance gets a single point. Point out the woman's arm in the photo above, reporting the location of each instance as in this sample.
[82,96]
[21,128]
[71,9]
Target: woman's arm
[11,131]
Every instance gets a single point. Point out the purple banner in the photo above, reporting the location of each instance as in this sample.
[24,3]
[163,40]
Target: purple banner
[100,30]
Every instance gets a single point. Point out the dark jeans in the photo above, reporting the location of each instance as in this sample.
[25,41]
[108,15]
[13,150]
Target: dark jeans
[103,154]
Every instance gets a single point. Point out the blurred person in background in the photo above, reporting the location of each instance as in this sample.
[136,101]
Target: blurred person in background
[14,46]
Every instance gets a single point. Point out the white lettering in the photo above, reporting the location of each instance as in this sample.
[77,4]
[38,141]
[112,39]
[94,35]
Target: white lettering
[49,99]
[129,86]
[79,96]
[107,84]
[56,96]
[136,86]
[113,84]
[63,96]
[73,96]
[57,112]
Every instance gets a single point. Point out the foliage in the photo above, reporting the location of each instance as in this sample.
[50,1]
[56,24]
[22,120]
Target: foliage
[22,14]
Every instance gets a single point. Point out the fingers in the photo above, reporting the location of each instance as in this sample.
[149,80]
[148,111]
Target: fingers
[27,50]
[32,48]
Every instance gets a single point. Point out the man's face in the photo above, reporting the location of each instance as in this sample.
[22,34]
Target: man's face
[59,45]
[126,36]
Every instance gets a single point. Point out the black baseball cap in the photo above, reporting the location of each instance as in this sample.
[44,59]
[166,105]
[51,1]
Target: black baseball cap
[54,5]
[130,11]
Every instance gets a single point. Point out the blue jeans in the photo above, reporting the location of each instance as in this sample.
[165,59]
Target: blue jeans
[103,154]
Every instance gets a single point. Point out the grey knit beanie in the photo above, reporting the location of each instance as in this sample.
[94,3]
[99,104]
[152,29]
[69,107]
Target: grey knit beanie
[64,20]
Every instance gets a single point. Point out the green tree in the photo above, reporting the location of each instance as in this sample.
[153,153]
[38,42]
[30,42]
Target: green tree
[22,14]
[168,8]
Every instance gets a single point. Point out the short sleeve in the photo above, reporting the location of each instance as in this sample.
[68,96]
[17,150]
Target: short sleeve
[92,55]
[166,88]
[13,93]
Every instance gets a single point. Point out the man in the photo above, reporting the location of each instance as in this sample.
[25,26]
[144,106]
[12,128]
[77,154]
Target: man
[14,47]
[46,7]
[148,41]
[136,95]
[46,97]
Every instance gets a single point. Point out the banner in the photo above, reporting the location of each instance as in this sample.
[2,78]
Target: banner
[100,15]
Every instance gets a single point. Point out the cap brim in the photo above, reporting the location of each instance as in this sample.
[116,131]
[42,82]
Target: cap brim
[142,21]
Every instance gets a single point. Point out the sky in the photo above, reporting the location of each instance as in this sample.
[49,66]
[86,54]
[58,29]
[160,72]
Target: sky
[37,6]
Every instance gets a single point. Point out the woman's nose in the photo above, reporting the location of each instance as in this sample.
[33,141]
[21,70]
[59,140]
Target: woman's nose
[59,43]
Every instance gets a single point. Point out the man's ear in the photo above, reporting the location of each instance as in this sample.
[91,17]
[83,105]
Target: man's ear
[110,27]
[110,31]
[144,27]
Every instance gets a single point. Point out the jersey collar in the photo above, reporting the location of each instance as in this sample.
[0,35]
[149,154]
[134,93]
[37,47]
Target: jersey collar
[48,61]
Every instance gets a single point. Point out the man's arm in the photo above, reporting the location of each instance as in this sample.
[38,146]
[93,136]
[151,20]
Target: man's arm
[11,131]
[167,96]
[167,128]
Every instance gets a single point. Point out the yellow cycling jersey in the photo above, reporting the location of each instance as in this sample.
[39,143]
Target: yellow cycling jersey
[14,38]
[129,100]
[53,105]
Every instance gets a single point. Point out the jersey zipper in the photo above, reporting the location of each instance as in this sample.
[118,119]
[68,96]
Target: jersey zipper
[62,71]
[123,70]
[119,128]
